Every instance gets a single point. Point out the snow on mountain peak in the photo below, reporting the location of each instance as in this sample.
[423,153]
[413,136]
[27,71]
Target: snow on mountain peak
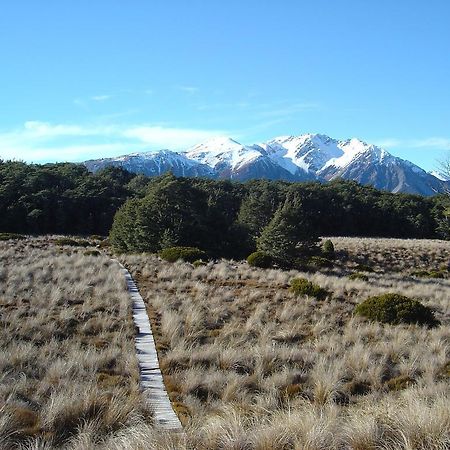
[439,175]
[354,148]
[223,150]
[292,158]
[308,152]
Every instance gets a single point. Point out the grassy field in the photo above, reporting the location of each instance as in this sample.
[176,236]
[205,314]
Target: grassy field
[248,365]
[396,255]
[68,372]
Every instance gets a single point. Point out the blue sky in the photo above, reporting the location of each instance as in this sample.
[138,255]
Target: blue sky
[100,78]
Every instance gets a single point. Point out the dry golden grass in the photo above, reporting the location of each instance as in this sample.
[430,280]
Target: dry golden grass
[401,255]
[251,366]
[68,372]
[248,365]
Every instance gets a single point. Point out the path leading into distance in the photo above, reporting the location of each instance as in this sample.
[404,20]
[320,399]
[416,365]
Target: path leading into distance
[151,380]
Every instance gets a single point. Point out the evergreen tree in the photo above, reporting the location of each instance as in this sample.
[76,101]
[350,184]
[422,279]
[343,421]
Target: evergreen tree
[259,206]
[289,237]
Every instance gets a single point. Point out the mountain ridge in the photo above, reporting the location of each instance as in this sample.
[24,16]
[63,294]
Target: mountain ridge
[305,157]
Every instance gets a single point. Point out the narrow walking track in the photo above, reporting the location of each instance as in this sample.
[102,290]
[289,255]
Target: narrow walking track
[151,381]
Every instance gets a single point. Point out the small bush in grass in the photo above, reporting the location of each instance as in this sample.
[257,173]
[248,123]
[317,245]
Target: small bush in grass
[198,263]
[96,237]
[11,236]
[430,273]
[328,249]
[358,276]
[72,242]
[91,253]
[188,254]
[364,268]
[395,309]
[66,241]
[259,259]
[320,262]
[420,273]
[437,274]
[301,286]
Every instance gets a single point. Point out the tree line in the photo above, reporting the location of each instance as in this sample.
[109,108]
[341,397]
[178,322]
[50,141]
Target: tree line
[62,198]
[229,219]
[223,218]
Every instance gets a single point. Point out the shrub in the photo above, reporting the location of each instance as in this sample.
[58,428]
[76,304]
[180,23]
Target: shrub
[364,268]
[188,254]
[328,249]
[259,259]
[437,274]
[420,273]
[430,273]
[301,286]
[96,237]
[72,242]
[198,263]
[394,309]
[319,261]
[91,253]
[8,236]
[358,276]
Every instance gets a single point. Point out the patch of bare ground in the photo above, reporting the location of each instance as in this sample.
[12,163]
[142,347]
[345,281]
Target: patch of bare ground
[249,365]
[68,372]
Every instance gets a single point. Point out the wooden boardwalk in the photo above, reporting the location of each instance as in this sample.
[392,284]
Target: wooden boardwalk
[151,380]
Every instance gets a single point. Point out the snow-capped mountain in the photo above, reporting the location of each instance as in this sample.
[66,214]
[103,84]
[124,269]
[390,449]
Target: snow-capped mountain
[291,158]
[229,159]
[439,175]
[154,163]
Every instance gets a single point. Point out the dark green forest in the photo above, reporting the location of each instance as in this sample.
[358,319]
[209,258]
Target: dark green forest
[233,219]
[62,198]
[221,217]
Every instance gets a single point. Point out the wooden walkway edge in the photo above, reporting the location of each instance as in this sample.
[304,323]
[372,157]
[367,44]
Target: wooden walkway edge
[151,380]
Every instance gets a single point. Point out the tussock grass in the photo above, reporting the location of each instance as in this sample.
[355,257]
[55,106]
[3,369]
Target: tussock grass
[399,255]
[258,367]
[247,363]
[68,372]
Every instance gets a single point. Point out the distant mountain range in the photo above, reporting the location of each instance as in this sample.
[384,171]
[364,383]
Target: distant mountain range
[293,158]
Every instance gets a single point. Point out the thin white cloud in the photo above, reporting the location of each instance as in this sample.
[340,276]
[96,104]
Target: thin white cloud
[174,138]
[72,153]
[188,89]
[436,143]
[433,142]
[42,141]
[101,98]
[288,110]
[36,129]
[388,143]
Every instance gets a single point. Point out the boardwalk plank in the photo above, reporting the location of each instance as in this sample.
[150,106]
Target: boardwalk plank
[151,380]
